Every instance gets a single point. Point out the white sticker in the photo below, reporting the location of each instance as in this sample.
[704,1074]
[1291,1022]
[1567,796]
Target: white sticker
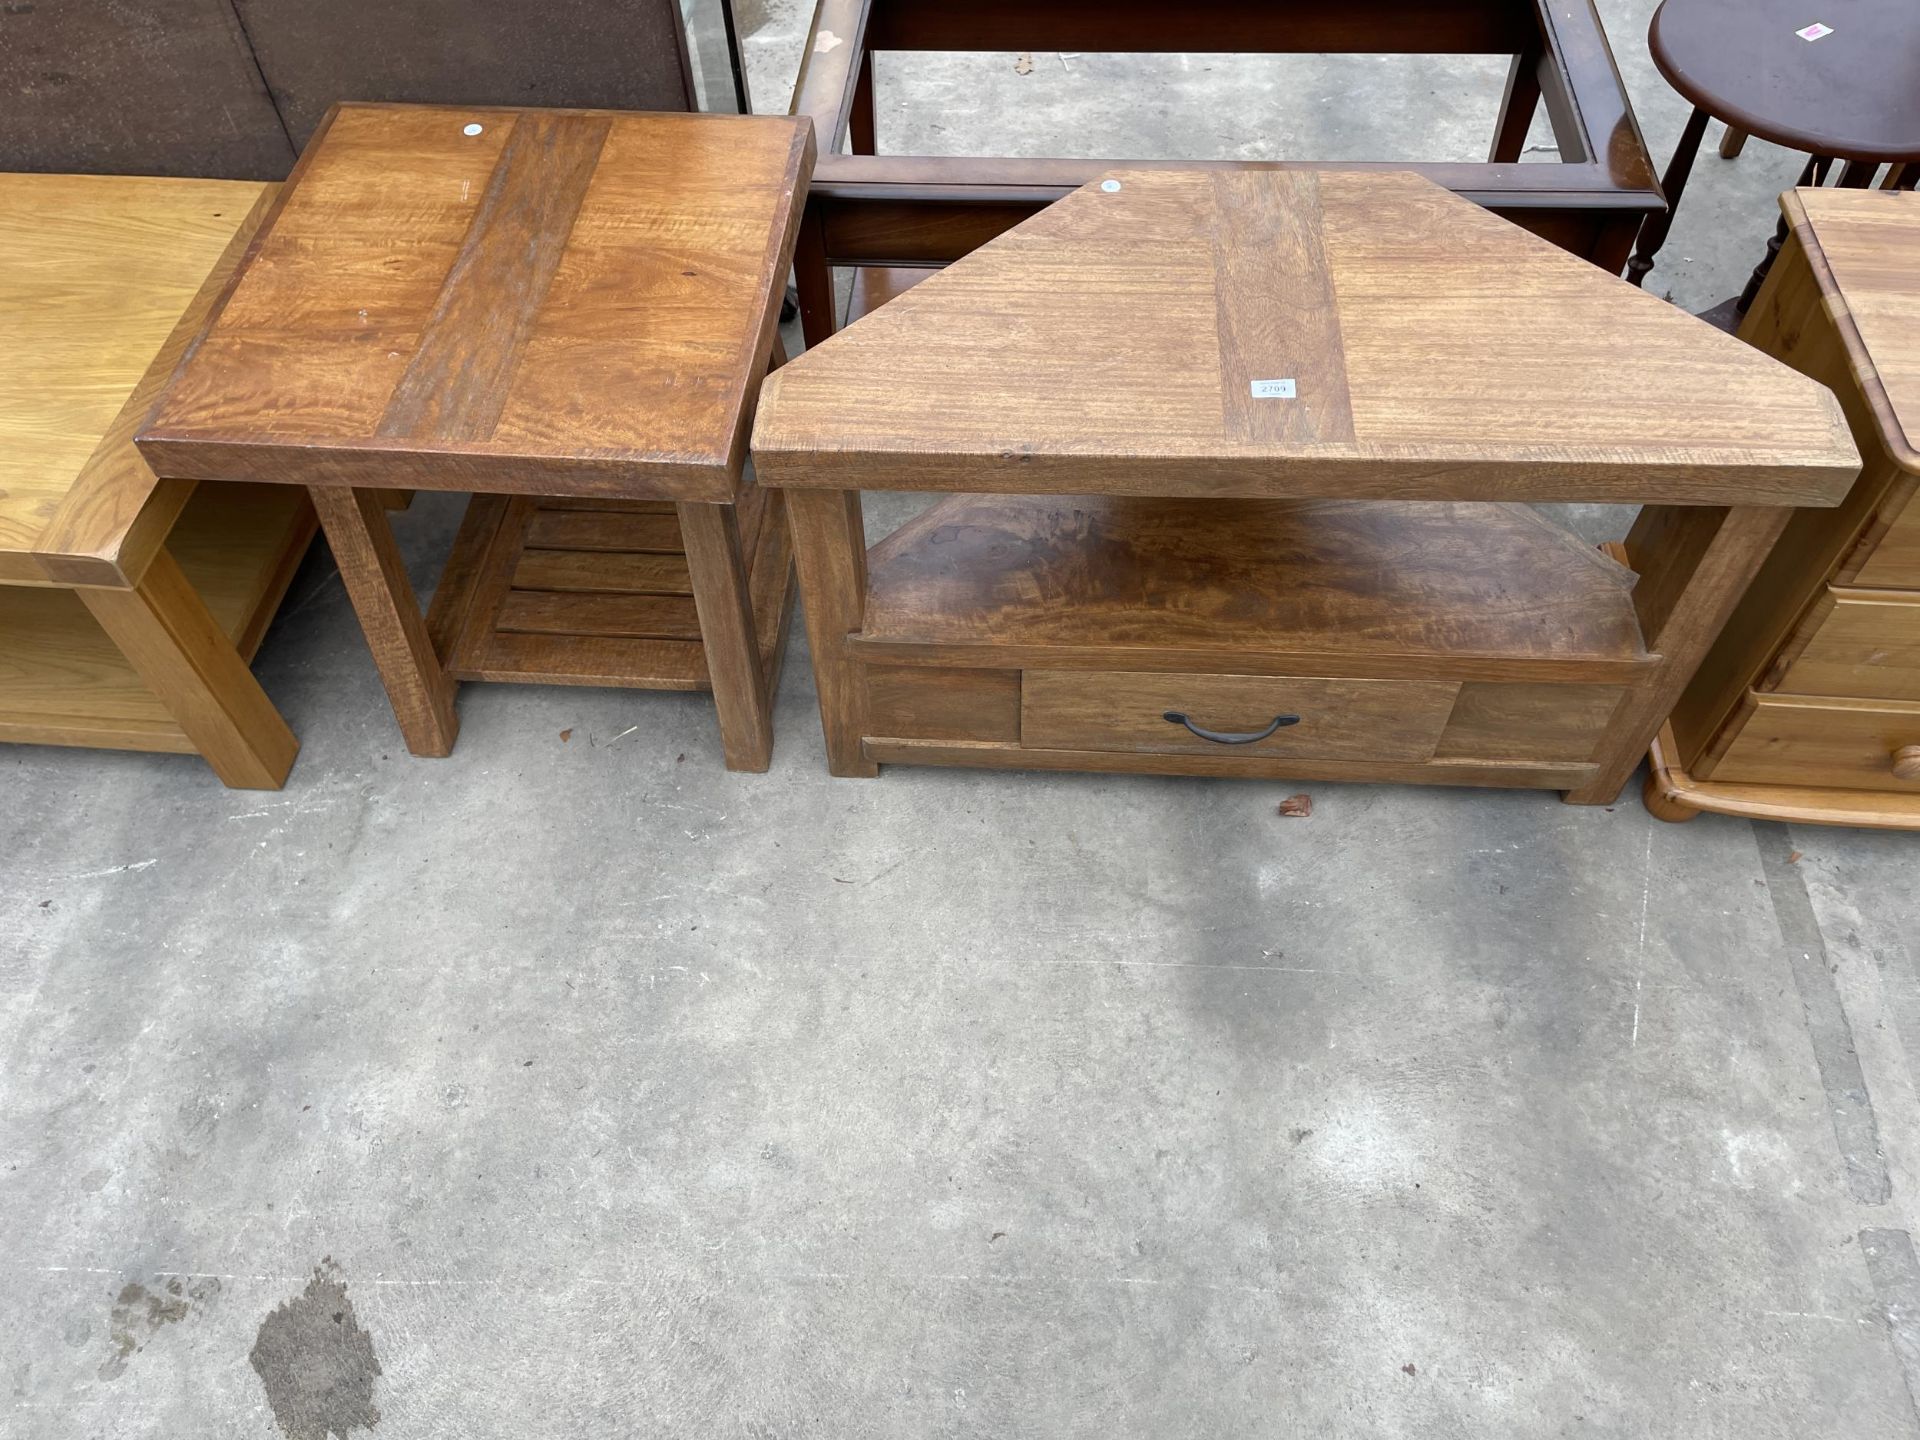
[826,42]
[474,129]
[1273,390]
[1814,32]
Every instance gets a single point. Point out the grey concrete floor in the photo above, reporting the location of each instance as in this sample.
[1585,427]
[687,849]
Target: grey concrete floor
[574,1086]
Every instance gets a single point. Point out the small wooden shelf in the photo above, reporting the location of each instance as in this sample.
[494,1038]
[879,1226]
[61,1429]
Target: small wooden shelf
[1254,587]
[596,592]
[62,681]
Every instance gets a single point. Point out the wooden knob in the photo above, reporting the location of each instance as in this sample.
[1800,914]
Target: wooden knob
[1906,763]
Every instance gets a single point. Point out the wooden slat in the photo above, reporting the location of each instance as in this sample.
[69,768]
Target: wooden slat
[635,617]
[603,530]
[591,660]
[595,572]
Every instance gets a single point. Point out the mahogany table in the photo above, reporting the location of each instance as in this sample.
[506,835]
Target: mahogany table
[871,210]
[567,311]
[129,606]
[1236,464]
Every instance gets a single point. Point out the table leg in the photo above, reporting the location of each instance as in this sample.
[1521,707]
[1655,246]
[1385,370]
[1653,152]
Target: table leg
[355,522]
[164,629]
[813,278]
[1653,233]
[1732,143]
[860,130]
[1517,105]
[711,534]
[1814,172]
[830,547]
[1694,564]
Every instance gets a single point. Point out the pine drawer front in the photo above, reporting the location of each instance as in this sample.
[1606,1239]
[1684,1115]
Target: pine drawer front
[1338,719]
[1895,561]
[1867,646]
[1845,744]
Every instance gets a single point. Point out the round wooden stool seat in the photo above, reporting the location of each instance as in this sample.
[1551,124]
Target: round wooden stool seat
[1843,85]
[1853,93]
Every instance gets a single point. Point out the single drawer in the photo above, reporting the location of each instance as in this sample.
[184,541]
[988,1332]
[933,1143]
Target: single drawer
[1847,744]
[1865,644]
[1894,563]
[1337,719]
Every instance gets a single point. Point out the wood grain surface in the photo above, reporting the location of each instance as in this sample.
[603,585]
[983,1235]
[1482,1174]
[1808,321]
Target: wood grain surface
[100,279]
[1109,344]
[1250,586]
[559,302]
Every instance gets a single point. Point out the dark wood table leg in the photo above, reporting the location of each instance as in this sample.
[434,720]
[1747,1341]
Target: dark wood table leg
[1814,172]
[355,522]
[830,548]
[813,278]
[718,571]
[1732,143]
[1517,105]
[1653,233]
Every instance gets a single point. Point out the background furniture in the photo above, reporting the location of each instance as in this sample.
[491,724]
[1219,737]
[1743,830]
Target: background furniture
[1808,706]
[1851,94]
[568,311]
[128,606]
[1187,411]
[237,87]
[868,210]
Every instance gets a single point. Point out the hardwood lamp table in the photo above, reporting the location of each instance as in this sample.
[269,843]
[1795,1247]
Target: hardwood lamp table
[1808,707]
[129,606]
[568,312]
[1238,461]
[881,213]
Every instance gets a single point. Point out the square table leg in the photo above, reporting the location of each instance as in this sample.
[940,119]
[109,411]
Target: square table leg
[164,629]
[1694,563]
[718,572]
[830,548]
[355,522]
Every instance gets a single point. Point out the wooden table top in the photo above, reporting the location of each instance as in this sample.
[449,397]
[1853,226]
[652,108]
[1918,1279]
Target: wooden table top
[1292,333]
[1851,92]
[543,301]
[1865,250]
[95,274]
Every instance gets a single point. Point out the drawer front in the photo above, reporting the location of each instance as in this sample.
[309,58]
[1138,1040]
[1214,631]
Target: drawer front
[1895,561]
[1866,644]
[1847,744]
[1338,719]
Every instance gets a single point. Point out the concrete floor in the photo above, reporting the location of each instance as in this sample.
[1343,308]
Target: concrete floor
[574,1086]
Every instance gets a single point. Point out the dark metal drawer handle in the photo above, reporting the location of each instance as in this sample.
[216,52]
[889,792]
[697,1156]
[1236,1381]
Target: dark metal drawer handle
[1223,737]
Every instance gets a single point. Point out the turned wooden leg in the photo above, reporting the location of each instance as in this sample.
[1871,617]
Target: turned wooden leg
[711,534]
[163,628]
[355,522]
[1812,173]
[1653,233]
[830,546]
[1522,98]
[1694,563]
[1731,144]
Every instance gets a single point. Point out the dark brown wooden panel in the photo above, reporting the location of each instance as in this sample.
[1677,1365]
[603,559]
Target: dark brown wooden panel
[162,87]
[610,54]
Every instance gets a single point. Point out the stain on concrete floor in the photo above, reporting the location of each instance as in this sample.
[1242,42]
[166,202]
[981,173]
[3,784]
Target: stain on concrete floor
[139,1312]
[316,1362]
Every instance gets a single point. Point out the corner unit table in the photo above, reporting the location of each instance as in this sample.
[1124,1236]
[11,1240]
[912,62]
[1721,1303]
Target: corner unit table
[566,311]
[885,214]
[129,606]
[1239,462]
[1808,706]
